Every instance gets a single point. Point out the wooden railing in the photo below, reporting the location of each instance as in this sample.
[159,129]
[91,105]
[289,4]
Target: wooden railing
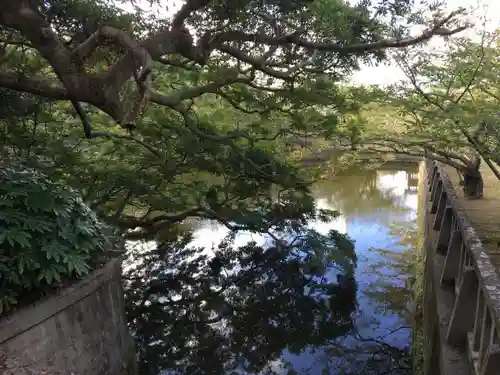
[474,324]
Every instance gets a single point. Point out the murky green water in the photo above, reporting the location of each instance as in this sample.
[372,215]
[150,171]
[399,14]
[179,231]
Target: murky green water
[268,327]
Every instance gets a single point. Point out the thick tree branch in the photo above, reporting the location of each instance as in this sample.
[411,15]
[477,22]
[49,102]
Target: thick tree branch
[33,85]
[131,222]
[141,229]
[142,62]
[102,90]
[20,16]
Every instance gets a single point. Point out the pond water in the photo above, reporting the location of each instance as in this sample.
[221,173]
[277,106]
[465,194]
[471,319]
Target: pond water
[278,332]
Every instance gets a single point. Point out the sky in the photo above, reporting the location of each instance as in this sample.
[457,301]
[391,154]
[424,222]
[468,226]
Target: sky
[483,14]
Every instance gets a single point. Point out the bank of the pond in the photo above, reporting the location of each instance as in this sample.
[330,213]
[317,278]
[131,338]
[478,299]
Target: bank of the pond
[418,287]
[270,330]
[391,160]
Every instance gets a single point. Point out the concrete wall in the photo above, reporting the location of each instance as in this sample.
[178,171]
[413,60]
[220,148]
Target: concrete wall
[439,356]
[461,304]
[82,330]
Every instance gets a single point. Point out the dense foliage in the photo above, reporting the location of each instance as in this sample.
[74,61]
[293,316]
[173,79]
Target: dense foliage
[237,307]
[48,236]
[446,109]
[157,119]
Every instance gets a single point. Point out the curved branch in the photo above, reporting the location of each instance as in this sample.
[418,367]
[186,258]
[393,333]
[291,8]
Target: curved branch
[422,154]
[175,99]
[131,222]
[439,29]
[127,138]
[423,145]
[258,64]
[33,85]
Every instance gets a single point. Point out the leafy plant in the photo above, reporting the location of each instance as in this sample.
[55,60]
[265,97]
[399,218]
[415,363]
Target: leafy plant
[48,235]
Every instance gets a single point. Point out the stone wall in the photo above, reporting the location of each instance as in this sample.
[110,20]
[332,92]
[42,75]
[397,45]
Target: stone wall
[81,330]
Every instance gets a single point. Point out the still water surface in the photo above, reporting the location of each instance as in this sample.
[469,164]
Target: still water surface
[378,211]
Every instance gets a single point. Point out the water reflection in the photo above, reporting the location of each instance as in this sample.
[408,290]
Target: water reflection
[209,309]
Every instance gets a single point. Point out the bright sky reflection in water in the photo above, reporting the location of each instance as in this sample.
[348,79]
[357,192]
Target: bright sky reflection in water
[371,203]
[370,228]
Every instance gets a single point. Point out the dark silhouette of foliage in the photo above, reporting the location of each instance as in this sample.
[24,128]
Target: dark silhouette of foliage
[48,236]
[240,308]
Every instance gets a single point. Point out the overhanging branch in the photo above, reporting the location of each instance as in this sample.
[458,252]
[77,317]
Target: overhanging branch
[439,29]
[102,90]
[33,85]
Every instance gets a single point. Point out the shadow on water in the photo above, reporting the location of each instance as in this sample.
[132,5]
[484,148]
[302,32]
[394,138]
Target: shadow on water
[242,306]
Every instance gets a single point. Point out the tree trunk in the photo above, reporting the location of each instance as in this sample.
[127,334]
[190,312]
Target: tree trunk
[473,185]
[473,180]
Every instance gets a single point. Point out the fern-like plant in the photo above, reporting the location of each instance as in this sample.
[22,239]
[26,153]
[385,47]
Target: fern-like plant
[48,236]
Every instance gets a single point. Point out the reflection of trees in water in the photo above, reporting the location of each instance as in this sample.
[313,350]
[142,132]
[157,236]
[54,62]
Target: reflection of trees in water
[365,356]
[397,265]
[239,310]
[358,193]
[236,313]
[392,292]
[359,196]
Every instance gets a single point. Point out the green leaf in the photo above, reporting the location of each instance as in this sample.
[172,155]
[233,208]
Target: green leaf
[48,276]
[56,275]
[20,265]
[21,237]
[41,275]
[46,232]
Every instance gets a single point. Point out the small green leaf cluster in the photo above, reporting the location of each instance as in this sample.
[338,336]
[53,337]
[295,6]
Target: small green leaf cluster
[48,236]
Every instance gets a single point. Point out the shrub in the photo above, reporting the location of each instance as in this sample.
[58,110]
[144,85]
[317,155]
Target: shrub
[48,236]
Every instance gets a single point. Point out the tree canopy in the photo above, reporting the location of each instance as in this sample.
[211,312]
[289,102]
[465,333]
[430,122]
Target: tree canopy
[445,110]
[202,96]
[156,119]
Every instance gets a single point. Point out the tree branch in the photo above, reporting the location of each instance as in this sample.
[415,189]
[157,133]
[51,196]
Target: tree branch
[19,16]
[444,160]
[142,62]
[258,64]
[101,90]
[439,29]
[33,85]
[175,99]
[423,145]
[131,222]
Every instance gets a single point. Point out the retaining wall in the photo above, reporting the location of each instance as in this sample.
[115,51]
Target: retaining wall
[80,331]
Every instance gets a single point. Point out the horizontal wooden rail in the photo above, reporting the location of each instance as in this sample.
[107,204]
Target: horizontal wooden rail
[474,322]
